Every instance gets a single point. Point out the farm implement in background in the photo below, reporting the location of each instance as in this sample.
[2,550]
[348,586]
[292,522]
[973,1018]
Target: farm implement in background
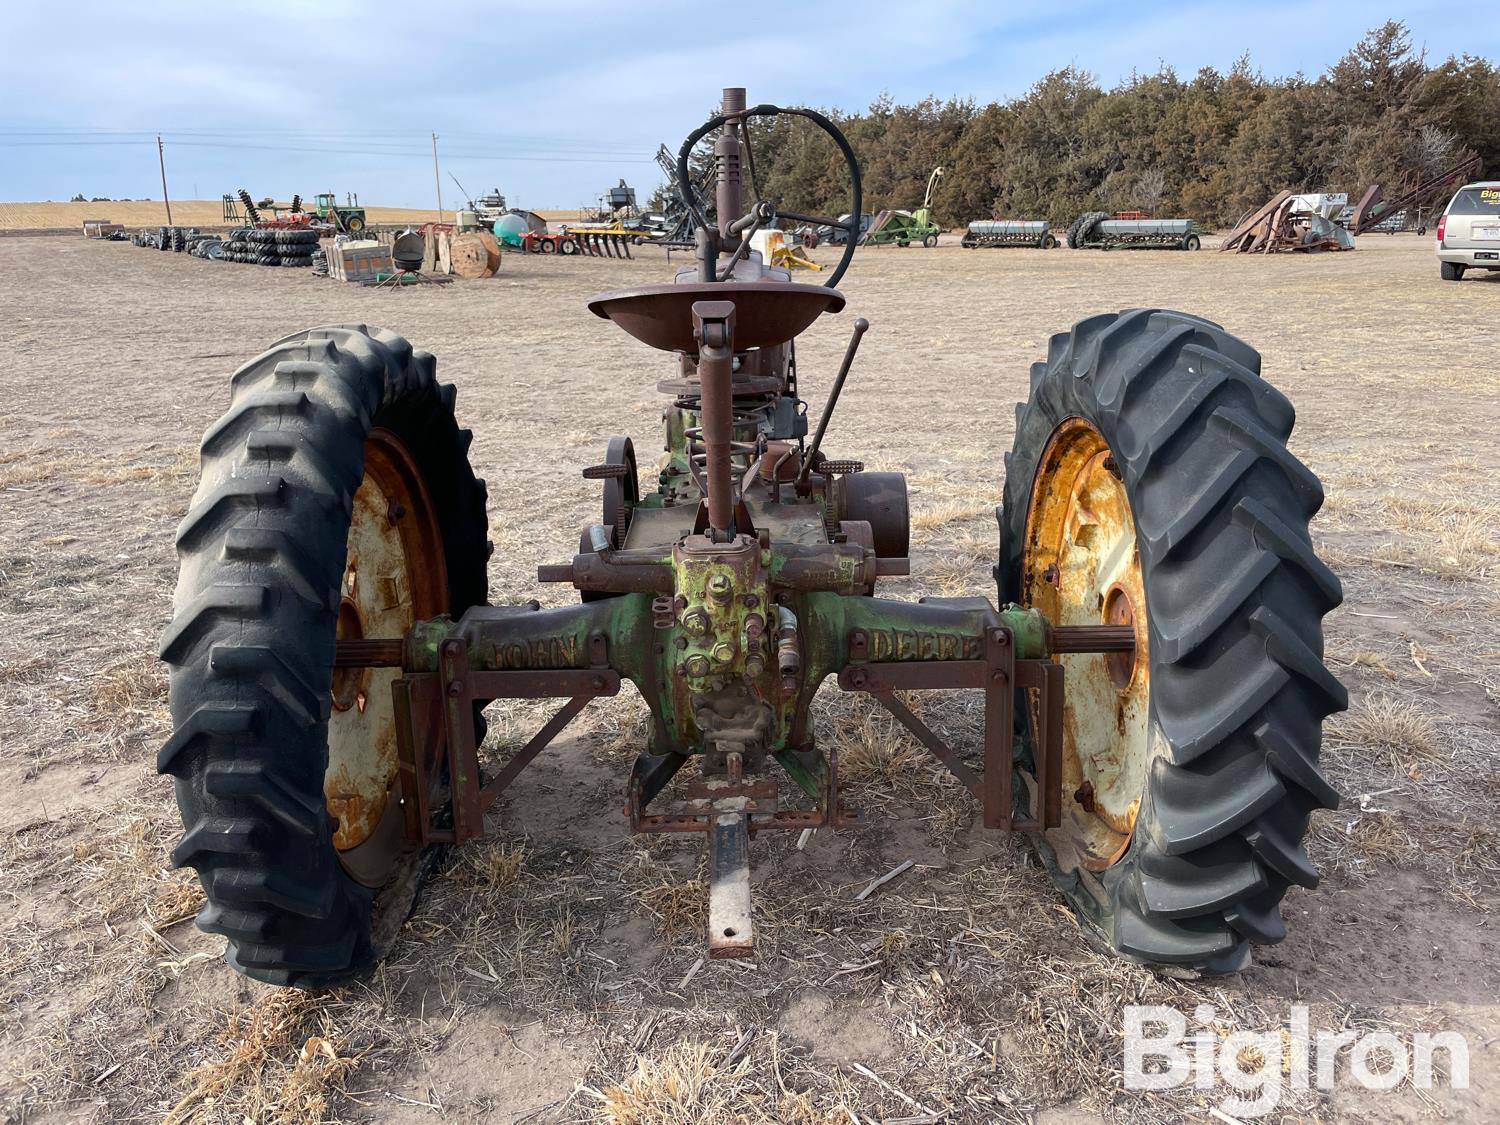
[902,228]
[1373,212]
[1302,223]
[1098,230]
[325,214]
[1002,232]
[1149,701]
[673,226]
[1312,222]
[611,240]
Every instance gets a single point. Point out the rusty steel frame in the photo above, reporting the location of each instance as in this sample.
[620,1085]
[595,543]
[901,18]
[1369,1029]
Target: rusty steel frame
[998,674]
[438,742]
[436,728]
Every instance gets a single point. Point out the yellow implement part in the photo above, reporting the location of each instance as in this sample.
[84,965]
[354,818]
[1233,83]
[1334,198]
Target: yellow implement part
[793,258]
[612,228]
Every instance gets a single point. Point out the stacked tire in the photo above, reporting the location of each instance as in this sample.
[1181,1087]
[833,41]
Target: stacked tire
[290,248]
[204,245]
[1083,228]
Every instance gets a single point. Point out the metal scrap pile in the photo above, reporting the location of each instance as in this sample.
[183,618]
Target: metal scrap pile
[1304,223]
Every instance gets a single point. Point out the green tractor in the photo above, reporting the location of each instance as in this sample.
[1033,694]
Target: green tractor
[1147,674]
[905,227]
[349,219]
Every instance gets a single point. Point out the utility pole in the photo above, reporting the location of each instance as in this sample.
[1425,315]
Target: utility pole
[161,159]
[437,178]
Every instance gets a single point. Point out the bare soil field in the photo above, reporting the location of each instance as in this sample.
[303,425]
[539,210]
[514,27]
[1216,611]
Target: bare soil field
[548,974]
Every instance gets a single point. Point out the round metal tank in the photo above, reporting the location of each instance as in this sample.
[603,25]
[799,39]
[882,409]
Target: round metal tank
[510,229]
[408,251]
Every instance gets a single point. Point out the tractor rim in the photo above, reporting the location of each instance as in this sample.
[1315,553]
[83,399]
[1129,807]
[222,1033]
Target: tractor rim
[1081,566]
[394,576]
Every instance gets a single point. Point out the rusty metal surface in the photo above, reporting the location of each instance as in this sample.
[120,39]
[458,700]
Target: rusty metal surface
[880,500]
[1081,568]
[713,328]
[766,312]
[375,652]
[426,745]
[1116,637]
[729,927]
[995,673]
[395,575]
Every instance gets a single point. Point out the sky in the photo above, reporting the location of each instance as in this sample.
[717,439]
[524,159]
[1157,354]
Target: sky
[552,102]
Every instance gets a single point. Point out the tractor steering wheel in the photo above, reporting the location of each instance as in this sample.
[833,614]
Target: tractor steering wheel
[850,228]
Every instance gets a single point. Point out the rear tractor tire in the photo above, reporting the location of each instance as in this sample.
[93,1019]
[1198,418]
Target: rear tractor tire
[1082,227]
[1150,485]
[336,502]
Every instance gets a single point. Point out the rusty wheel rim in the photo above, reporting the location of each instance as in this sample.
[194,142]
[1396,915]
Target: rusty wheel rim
[394,576]
[1081,566]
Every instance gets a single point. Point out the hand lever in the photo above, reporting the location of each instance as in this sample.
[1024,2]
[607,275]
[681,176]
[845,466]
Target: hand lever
[861,325]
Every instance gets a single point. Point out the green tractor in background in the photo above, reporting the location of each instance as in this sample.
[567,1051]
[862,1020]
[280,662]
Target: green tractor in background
[905,227]
[350,219]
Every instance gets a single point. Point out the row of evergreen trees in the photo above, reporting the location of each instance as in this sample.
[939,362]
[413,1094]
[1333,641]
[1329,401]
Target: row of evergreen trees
[1208,148]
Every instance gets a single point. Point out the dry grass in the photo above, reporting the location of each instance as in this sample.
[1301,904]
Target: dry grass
[683,1086]
[1382,837]
[279,1059]
[1399,730]
[691,1083]
[24,469]
[945,513]
[1453,538]
[491,867]
[679,907]
[872,746]
[1374,661]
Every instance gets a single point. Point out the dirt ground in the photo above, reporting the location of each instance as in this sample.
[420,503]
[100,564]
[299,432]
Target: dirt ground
[551,973]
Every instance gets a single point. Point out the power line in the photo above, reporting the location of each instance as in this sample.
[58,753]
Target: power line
[520,142]
[336,150]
